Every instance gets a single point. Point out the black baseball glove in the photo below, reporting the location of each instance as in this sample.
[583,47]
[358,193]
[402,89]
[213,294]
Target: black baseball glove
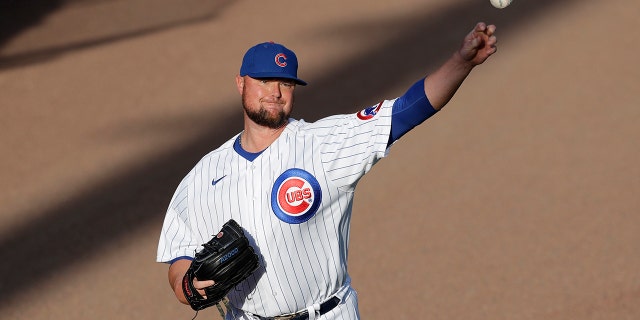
[227,259]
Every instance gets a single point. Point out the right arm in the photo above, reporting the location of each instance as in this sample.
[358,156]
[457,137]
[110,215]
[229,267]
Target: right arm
[477,46]
[177,270]
[428,96]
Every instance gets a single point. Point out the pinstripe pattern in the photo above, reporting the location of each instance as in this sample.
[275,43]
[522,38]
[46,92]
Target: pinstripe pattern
[301,264]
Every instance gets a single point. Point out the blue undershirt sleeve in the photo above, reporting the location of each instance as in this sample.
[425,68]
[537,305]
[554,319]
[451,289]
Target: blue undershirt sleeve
[180,258]
[410,110]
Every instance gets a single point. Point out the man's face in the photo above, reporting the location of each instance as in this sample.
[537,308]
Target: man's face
[267,102]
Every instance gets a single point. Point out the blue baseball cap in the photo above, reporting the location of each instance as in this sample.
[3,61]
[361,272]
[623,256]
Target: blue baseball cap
[270,60]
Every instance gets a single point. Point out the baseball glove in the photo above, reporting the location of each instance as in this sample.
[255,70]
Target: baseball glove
[227,259]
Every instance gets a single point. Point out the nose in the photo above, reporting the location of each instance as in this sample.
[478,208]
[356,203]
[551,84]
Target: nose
[274,89]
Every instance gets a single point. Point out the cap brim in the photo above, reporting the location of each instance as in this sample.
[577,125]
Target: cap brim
[276,75]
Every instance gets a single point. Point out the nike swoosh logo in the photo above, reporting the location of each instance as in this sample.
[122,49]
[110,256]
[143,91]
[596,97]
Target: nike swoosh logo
[215,181]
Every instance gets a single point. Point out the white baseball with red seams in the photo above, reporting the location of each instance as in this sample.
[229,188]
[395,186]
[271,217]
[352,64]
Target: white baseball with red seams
[500,3]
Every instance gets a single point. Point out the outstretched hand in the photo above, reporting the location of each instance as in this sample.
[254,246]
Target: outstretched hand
[479,44]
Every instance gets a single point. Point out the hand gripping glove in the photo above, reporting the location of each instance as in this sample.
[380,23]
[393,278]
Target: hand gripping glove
[227,259]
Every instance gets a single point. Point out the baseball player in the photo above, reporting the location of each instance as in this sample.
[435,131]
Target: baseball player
[290,184]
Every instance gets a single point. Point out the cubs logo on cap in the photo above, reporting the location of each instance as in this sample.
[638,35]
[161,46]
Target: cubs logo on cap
[281,60]
[270,60]
[296,196]
[370,112]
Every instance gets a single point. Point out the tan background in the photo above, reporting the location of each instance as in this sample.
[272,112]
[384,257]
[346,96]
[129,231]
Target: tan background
[519,201]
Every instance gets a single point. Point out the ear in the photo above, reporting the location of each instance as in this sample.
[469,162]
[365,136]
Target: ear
[240,84]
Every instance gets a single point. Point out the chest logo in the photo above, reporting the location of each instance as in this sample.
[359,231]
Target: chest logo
[370,112]
[296,196]
[215,181]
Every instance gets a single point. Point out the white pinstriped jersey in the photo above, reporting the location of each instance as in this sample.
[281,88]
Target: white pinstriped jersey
[294,202]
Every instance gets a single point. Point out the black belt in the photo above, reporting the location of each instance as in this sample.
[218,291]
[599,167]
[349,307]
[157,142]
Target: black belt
[304,315]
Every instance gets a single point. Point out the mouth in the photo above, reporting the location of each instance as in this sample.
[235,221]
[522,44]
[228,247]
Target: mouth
[273,103]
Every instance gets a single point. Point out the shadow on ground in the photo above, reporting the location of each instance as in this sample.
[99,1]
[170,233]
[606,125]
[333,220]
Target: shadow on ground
[17,17]
[79,228]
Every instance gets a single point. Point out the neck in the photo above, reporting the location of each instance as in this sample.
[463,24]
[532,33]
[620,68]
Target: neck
[256,138]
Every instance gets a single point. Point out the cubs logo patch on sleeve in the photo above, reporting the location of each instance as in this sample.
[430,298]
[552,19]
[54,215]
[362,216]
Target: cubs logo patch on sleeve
[369,113]
[296,196]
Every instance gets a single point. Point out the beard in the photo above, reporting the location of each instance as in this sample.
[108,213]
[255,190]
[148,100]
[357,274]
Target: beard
[264,118]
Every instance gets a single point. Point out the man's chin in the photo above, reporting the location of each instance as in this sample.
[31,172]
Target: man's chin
[274,118]
[274,122]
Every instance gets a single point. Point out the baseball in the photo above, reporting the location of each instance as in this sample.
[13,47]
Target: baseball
[500,3]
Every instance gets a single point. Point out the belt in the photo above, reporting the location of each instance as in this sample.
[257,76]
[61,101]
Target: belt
[304,315]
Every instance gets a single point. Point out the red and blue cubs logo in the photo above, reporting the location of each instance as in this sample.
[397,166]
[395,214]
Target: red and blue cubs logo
[281,60]
[296,196]
[370,112]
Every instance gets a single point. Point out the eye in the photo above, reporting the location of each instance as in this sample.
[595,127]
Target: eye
[288,84]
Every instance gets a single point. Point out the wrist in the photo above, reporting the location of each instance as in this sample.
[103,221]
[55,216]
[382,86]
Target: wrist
[179,290]
[461,62]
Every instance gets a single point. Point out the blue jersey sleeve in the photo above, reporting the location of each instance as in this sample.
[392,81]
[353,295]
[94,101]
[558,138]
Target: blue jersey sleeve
[410,110]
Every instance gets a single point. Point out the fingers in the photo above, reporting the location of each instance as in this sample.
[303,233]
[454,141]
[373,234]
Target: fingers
[492,40]
[491,29]
[479,44]
[485,35]
[480,27]
[202,284]
[484,28]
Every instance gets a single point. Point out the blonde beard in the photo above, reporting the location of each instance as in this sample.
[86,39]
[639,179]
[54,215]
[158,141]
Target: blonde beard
[261,117]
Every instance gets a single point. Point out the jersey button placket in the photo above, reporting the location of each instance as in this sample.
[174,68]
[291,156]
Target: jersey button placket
[256,183]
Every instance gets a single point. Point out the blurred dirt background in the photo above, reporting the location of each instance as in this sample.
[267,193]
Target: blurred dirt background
[518,201]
